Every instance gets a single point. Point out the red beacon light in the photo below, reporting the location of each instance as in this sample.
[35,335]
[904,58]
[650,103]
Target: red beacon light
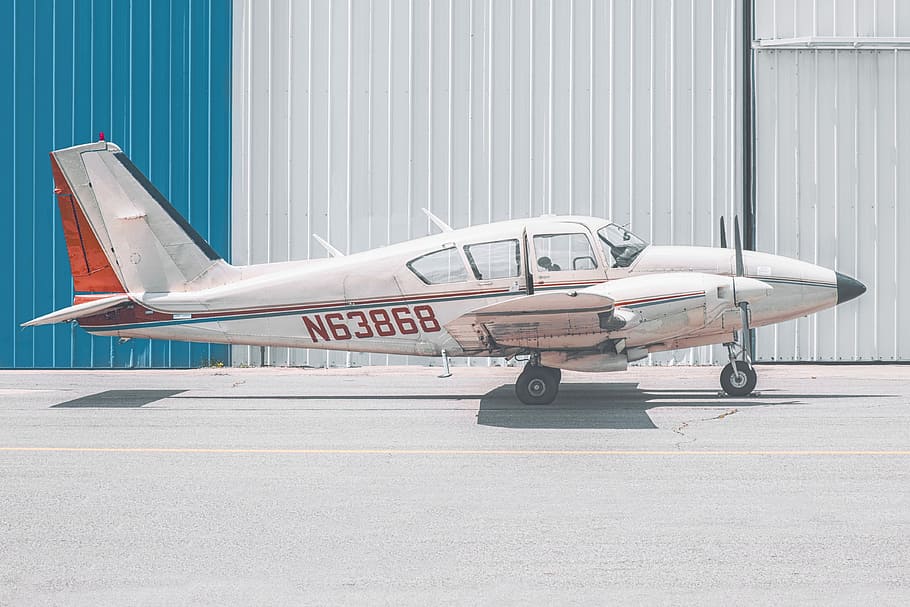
[101,136]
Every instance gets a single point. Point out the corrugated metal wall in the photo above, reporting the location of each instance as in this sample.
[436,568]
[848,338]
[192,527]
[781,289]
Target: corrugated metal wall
[351,115]
[155,77]
[833,171]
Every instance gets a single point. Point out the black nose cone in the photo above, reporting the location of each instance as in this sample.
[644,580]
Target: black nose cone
[848,288]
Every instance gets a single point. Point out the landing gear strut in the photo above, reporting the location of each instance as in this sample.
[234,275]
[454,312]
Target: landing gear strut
[537,385]
[738,377]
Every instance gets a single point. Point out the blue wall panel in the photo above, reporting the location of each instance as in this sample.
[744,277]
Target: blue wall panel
[154,76]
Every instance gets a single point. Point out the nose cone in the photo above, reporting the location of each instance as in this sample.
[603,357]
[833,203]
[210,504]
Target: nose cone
[848,288]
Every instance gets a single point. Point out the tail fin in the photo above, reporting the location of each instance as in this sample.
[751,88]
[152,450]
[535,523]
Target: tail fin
[92,271]
[122,233]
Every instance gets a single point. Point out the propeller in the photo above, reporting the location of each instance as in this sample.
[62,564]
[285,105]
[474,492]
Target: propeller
[743,305]
[723,233]
[740,268]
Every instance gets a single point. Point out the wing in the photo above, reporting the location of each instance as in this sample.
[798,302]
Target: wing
[545,321]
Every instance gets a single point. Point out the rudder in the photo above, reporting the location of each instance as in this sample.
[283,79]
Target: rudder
[90,266]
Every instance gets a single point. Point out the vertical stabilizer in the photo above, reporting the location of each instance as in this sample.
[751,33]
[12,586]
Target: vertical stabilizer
[122,233]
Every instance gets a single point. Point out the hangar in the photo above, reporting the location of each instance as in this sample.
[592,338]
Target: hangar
[268,122]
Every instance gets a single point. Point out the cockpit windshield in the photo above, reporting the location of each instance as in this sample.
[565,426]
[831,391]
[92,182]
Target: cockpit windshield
[620,244]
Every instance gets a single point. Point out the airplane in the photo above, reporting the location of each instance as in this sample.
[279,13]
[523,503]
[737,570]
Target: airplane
[564,292]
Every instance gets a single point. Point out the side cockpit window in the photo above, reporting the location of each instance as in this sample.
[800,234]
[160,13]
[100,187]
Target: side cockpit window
[491,260]
[620,244]
[560,252]
[439,267]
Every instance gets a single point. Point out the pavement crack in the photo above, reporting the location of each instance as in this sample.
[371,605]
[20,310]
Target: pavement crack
[686,439]
[726,413]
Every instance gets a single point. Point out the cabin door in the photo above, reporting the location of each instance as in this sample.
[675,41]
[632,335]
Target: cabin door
[563,256]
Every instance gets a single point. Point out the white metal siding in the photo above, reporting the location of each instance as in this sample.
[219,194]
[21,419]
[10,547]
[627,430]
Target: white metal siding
[833,167]
[351,115]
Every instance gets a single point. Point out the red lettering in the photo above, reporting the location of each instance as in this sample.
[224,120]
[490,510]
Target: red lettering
[336,324]
[427,319]
[382,323]
[406,324]
[362,324]
[316,329]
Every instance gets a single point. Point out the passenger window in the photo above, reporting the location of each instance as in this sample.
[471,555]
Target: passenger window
[489,260]
[560,252]
[439,267]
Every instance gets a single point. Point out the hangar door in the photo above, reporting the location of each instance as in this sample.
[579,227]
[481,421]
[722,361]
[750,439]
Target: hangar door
[832,167]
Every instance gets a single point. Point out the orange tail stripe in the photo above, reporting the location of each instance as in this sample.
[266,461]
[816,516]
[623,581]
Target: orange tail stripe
[92,271]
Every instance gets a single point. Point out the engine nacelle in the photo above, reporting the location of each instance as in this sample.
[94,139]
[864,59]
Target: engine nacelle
[674,304]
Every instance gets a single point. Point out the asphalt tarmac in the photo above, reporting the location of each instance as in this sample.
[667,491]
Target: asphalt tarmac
[389,486]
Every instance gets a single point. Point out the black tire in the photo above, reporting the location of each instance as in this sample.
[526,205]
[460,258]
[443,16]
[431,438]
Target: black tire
[742,386]
[537,386]
[557,373]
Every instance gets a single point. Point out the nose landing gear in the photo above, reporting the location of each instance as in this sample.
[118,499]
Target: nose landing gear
[738,378]
[537,385]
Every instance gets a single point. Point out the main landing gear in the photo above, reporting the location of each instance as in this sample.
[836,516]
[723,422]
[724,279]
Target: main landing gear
[537,385]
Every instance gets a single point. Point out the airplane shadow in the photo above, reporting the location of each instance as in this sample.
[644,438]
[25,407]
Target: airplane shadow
[117,399]
[615,406]
[578,405]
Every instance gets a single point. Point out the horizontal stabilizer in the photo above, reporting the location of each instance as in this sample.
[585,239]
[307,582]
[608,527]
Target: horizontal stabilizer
[88,308]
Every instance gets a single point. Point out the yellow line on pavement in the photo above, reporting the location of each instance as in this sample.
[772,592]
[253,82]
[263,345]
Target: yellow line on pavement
[506,452]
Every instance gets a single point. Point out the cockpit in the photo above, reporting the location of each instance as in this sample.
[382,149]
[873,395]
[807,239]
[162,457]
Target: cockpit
[620,244]
[533,254]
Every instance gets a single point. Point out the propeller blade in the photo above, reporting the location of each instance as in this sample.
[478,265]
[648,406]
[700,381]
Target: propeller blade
[723,233]
[740,268]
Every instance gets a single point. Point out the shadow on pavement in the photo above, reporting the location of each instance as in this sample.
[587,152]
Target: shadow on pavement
[617,405]
[117,399]
[613,405]
[578,405]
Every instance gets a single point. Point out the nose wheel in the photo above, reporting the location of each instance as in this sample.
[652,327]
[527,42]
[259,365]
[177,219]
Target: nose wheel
[538,385]
[738,378]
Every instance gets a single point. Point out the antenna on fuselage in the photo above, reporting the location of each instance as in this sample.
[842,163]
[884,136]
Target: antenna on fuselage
[437,221]
[331,250]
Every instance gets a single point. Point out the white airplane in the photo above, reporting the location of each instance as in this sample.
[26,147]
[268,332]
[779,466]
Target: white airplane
[576,293]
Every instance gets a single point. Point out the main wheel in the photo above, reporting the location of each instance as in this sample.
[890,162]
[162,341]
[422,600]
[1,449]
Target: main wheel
[739,381]
[537,386]
[557,373]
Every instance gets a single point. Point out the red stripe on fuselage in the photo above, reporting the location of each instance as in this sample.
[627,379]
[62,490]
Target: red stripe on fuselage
[137,313]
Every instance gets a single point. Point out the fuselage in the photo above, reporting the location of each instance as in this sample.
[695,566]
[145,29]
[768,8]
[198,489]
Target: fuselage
[398,299]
